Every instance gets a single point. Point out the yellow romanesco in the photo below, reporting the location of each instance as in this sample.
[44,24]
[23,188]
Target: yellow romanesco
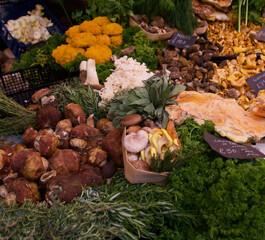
[72,31]
[112,29]
[100,53]
[65,53]
[116,40]
[101,21]
[91,27]
[103,39]
[83,40]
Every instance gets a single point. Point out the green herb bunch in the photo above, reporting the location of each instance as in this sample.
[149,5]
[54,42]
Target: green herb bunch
[14,118]
[118,209]
[149,101]
[116,11]
[74,92]
[248,10]
[226,195]
[145,48]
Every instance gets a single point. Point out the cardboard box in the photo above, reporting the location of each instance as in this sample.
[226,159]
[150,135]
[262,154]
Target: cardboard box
[140,176]
[153,36]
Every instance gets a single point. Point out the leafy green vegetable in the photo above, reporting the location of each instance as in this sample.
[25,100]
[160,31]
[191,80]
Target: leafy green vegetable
[253,12]
[226,195]
[41,55]
[116,11]
[149,101]
[145,48]
[104,70]
[165,164]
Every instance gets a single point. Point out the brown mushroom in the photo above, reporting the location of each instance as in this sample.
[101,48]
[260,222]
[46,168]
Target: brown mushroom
[90,175]
[75,113]
[36,97]
[48,117]
[109,169]
[45,177]
[24,189]
[65,161]
[10,151]
[105,125]
[4,164]
[3,191]
[46,144]
[90,121]
[29,136]
[18,160]
[10,197]
[65,188]
[112,145]
[34,166]
[97,157]
[131,120]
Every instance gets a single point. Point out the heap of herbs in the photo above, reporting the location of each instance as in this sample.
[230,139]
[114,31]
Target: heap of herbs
[226,195]
[14,118]
[118,209]
[148,101]
[145,49]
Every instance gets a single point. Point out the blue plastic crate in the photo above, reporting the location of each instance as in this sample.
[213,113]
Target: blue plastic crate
[15,9]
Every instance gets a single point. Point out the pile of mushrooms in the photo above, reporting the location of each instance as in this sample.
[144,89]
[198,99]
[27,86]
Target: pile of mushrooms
[191,67]
[67,152]
[144,143]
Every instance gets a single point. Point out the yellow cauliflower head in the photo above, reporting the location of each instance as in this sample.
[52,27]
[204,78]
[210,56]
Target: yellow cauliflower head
[101,21]
[65,53]
[116,40]
[83,40]
[103,39]
[100,53]
[72,31]
[91,27]
[112,29]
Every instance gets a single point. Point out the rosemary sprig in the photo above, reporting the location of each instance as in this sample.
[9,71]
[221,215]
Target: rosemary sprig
[74,92]
[14,118]
[119,209]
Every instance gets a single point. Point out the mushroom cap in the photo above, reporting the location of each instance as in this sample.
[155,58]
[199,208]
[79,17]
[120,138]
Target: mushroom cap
[39,94]
[131,120]
[136,142]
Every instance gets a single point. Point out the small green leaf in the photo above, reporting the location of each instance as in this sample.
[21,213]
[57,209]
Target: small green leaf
[149,108]
[178,89]
[142,101]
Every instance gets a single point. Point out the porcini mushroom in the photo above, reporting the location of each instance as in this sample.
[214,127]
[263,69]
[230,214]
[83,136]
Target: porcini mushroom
[136,142]
[89,67]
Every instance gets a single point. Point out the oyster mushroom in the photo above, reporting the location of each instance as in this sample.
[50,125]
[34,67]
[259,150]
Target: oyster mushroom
[136,142]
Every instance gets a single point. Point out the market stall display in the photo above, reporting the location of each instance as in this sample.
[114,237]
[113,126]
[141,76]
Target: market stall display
[186,113]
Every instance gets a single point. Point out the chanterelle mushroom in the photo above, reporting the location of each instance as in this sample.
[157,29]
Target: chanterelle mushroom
[136,142]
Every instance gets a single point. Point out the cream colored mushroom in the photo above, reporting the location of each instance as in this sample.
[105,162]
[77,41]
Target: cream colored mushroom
[136,142]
